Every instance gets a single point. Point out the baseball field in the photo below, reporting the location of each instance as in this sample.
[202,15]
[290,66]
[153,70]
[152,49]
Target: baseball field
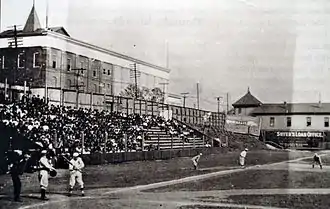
[272,179]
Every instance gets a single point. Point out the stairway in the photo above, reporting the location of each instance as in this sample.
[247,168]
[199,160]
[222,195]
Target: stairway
[163,140]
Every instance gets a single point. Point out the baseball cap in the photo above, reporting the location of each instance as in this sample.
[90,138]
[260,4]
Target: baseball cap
[246,149]
[44,152]
[75,154]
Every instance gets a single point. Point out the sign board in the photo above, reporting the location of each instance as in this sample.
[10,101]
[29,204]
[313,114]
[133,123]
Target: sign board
[243,124]
[303,134]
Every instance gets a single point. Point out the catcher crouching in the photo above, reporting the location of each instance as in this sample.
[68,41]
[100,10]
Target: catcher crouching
[45,168]
[75,166]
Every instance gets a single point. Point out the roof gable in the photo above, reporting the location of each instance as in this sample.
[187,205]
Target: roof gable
[60,30]
[32,23]
[248,100]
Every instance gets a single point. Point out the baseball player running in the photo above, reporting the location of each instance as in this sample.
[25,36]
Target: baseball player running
[75,166]
[317,160]
[242,157]
[44,168]
[195,160]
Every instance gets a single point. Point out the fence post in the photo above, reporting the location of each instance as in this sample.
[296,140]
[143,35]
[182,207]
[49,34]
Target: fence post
[105,143]
[158,147]
[194,144]
[171,142]
[82,143]
[126,142]
[142,143]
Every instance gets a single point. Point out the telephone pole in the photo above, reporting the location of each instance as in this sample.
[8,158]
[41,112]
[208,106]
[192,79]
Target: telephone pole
[134,73]
[184,98]
[227,103]
[135,81]
[77,86]
[163,84]
[219,99]
[197,95]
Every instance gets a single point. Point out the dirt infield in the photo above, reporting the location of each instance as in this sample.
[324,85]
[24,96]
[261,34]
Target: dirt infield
[110,196]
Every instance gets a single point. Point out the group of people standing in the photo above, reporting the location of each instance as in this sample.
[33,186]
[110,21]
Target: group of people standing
[18,163]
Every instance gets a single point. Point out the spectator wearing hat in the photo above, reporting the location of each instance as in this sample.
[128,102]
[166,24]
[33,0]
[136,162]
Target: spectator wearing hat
[44,168]
[17,166]
[75,166]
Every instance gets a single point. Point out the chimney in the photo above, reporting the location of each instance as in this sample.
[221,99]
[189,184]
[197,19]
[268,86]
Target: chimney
[286,107]
[320,104]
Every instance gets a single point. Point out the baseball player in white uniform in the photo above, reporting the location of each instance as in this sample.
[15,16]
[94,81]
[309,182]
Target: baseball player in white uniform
[44,168]
[242,157]
[75,166]
[195,160]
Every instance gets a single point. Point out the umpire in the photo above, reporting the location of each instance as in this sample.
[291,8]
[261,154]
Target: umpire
[17,167]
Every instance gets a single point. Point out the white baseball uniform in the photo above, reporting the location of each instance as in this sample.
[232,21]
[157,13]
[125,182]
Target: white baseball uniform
[75,167]
[44,168]
[242,158]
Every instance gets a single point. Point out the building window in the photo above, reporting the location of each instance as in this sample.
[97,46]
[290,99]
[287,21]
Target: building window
[55,81]
[68,83]
[326,121]
[271,121]
[20,60]
[54,61]
[108,85]
[36,60]
[95,88]
[94,73]
[308,121]
[109,72]
[104,71]
[288,122]
[68,66]
[239,110]
[82,64]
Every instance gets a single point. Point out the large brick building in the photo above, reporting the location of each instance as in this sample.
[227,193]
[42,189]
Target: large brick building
[51,57]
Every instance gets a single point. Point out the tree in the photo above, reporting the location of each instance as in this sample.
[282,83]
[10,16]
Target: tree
[157,95]
[130,91]
[146,93]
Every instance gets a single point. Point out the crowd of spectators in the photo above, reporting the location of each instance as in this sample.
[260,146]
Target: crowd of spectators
[65,128]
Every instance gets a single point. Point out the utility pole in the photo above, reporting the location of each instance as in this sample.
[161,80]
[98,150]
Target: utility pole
[14,41]
[77,86]
[135,80]
[227,103]
[219,99]
[163,84]
[184,98]
[197,95]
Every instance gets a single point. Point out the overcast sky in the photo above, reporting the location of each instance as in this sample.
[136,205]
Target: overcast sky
[279,48]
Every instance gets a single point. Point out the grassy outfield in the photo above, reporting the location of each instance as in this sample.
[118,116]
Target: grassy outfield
[204,207]
[146,172]
[143,172]
[306,201]
[256,179]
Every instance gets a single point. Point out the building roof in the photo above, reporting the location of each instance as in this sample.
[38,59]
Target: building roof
[60,30]
[32,23]
[292,108]
[33,28]
[248,100]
